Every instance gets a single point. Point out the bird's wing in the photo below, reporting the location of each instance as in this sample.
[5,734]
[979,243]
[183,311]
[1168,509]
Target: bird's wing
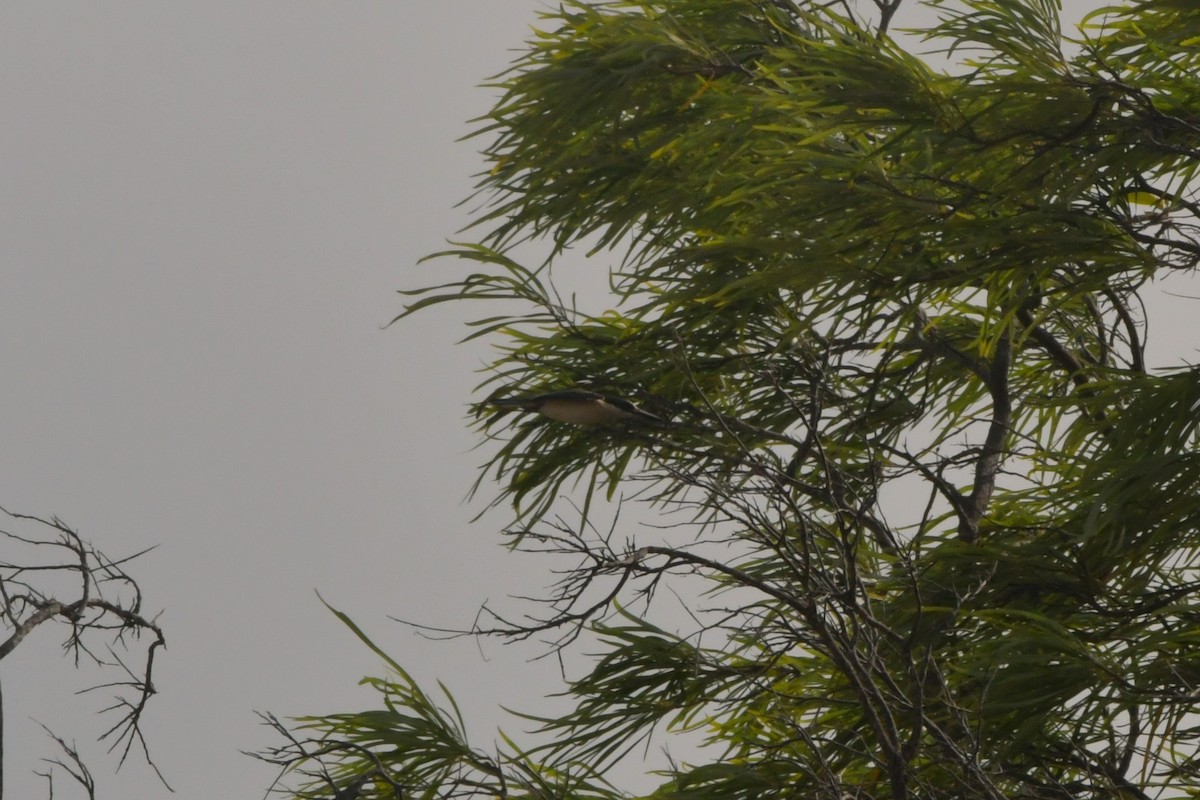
[569,395]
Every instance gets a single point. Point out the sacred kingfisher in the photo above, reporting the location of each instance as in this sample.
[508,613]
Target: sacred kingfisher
[578,407]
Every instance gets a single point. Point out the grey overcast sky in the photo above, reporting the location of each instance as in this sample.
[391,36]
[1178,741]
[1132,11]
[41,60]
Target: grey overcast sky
[207,208]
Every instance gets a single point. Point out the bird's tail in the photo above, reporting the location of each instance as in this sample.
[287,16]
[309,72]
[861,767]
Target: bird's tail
[522,403]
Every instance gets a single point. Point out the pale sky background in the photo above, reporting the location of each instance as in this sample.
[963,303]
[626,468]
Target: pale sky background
[206,209]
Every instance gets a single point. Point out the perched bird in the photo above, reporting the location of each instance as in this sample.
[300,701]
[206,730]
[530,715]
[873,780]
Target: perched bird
[578,407]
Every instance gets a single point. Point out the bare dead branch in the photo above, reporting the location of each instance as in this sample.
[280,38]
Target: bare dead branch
[106,604]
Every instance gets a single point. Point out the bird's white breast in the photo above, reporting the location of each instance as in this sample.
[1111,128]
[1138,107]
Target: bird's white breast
[585,412]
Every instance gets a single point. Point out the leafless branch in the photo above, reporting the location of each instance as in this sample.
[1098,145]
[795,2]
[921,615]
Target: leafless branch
[105,603]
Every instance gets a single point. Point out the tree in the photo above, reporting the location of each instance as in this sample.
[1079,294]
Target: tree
[947,513]
[98,603]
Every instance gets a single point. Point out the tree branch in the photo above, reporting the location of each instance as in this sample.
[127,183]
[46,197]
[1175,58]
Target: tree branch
[988,463]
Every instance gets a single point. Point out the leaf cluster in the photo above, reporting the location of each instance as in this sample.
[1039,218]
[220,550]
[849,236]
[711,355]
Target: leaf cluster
[946,513]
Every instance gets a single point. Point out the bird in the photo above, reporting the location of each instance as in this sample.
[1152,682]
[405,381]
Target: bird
[578,407]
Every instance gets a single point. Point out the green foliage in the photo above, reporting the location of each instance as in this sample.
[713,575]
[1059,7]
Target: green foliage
[892,317]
